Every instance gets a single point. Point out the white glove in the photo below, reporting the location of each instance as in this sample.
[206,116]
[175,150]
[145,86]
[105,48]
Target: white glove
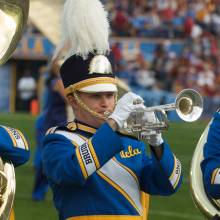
[155,139]
[125,106]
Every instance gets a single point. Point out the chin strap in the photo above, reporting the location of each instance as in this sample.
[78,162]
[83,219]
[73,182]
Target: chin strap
[85,107]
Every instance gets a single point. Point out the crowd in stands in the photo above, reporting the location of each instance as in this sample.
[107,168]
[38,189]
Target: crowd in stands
[194,23]
[197,66]
[163,18]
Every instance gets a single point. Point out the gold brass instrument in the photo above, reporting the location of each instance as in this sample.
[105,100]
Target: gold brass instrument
[209,207]
[188,105]
[13,18]
[7,189]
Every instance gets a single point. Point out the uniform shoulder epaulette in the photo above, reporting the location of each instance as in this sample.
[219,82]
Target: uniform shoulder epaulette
[57,128]
[51,130]
[71,126]
[127,134]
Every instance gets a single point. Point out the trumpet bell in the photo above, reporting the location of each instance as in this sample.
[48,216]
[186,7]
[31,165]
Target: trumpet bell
[189,105]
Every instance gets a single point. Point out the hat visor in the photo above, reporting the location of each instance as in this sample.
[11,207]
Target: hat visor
[101,87]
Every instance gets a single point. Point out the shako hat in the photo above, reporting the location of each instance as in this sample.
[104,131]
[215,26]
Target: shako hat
[86,31]
[90,75]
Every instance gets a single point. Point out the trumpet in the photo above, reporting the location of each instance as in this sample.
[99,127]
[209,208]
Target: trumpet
[188,105]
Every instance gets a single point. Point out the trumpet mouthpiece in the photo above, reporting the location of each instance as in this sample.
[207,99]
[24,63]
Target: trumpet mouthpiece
[107,114]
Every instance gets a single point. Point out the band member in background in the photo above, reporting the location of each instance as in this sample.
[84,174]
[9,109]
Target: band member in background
[211,164]
[95,171]
[54,113]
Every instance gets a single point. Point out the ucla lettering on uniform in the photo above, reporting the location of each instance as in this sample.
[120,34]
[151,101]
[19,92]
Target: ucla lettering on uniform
[130,152]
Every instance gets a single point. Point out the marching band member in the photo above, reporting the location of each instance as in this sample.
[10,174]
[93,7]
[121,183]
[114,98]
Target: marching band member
[96,172]
[54,113]
[211,164]
[13,145]
[13,148]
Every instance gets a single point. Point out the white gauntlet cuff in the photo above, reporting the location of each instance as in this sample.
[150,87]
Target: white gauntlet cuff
[155,140]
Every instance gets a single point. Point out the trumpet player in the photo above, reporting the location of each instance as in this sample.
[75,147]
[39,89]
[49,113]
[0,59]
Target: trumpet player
[211,164]
[94,170]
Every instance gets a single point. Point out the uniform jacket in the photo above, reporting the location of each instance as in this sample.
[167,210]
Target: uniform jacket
[99,174]
[13,146]
[211,164]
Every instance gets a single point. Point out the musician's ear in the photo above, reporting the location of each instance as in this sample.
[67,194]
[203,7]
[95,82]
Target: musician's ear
[72,100]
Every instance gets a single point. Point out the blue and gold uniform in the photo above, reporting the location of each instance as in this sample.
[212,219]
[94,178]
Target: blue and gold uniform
[211,164]
[99,174]
[13,146]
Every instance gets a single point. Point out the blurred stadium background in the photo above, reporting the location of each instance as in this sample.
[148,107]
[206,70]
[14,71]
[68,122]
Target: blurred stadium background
[160,47]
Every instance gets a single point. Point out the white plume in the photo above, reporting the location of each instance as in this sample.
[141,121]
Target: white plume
[85,27]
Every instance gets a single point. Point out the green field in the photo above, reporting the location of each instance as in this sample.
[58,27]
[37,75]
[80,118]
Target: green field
[182,138]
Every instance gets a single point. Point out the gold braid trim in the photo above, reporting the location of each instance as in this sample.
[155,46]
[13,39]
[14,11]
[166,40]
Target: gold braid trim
[85,107]
[89,82]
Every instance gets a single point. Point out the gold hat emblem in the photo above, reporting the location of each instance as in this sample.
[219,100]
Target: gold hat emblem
[100,64]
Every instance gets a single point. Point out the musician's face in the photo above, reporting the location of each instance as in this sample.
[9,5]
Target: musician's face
[97,102]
